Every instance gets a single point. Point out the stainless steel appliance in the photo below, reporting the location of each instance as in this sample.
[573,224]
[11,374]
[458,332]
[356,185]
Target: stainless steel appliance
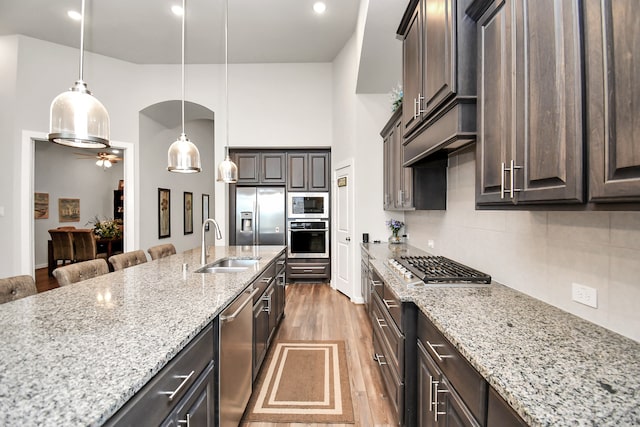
[236,361]
[260,216]
[309,238]
[307,205]
[418,270]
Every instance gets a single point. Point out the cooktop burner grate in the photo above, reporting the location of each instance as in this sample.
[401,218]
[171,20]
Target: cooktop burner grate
[435,269]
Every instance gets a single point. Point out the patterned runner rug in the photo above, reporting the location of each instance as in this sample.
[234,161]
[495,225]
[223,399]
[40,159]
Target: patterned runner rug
[303,382]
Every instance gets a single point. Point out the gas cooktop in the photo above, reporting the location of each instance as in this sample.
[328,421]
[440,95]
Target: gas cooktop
[416,270]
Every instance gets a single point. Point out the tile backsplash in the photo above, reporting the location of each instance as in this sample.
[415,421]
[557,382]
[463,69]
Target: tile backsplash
[540,253]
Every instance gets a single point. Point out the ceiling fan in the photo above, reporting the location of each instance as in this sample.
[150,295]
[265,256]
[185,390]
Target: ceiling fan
[104,160]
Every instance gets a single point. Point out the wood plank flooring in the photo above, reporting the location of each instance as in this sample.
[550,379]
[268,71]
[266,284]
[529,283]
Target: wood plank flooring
[44,282]
[317,312]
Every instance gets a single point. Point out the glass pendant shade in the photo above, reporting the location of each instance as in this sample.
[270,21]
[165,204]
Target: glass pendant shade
[103,163]
[183,156]
[228,171]
[78,119]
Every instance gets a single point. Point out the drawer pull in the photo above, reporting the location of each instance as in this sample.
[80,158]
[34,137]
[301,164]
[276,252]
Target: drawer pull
[389,303]
[381,322]
[432,347]
[187,421]
[185,380]
[266,279]
[376,283]
[308,268]
[377,358]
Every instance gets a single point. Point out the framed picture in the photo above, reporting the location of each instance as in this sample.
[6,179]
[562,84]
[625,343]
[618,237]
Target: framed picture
[205,210]
[164,213]
[41,205]
[69,210]
[188,212]
[121,184]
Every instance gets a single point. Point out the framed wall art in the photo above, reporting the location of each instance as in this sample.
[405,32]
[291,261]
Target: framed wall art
[164,213]
[41,205]
[188,212]
[205,210]
[69,210]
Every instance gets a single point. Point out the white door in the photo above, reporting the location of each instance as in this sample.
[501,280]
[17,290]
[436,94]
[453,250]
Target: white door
[343,264]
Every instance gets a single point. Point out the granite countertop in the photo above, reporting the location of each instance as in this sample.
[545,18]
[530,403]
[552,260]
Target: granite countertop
[553,367]
[75,355]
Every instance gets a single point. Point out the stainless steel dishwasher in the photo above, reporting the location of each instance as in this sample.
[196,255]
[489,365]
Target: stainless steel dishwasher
[236,358]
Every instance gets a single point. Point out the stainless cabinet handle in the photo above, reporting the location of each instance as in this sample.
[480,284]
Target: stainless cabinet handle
[502,174]
[266,279]
[239,309]
[187,421]
[376,283]
[513,177]
[435,352]
[185,379]
[308,268]
[377,358]
[417,108]
[389,303]
[381,322]
[436,403]
[432,403]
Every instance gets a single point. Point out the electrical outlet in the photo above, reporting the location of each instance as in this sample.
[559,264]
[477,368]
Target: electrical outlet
[431,244]
[584,295]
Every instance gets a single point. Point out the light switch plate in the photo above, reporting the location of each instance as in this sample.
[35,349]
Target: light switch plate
[584,295]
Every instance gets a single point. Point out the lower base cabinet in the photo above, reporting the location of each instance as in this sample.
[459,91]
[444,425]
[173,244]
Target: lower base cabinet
[500,414]
[197,407]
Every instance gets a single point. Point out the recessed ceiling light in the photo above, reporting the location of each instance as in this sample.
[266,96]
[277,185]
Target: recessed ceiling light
[177,10]
[319,7]
[74,15]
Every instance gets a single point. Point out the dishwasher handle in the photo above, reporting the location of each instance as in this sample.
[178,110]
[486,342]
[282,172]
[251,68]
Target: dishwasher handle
[231,317]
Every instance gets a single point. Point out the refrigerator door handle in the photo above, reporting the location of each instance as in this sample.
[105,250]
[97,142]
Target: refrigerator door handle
[256,209]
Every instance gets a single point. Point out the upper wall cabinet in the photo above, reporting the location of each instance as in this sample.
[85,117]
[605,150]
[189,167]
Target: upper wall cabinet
[264,167]
[439,78]
[612,56]
[397,180]
[308,171]
[530,139]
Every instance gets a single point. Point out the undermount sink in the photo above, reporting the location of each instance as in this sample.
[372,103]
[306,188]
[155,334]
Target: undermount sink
[229,265]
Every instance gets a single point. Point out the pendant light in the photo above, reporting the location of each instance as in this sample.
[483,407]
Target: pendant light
[78,119]
[227,170]
[183,155]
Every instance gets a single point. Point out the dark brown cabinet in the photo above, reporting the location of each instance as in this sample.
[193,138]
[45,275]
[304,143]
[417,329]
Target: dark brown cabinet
[263,167]
[308,171]
[612,60]
[397,180]
[118,204]
[196,408]
[438,77]
[500,414]
[530,139]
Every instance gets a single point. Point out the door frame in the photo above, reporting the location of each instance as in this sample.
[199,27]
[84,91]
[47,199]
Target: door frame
[26,247]
[354,255]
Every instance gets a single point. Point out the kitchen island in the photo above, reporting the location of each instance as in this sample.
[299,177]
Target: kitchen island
[77,354]
[553,368]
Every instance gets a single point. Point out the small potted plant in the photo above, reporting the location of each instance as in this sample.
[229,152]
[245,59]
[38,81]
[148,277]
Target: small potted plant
[395,227]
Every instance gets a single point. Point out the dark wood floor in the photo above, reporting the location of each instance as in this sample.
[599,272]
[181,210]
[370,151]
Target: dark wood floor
[317,312]
[44,282]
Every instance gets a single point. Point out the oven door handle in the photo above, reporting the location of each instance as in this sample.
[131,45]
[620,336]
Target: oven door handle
[308,229]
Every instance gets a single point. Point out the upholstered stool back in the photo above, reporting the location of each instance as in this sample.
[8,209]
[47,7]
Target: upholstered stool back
[16,287]
[161,251]
[127,259]
[80,271]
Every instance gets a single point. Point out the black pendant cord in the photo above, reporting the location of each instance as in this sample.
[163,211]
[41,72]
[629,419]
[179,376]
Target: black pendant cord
[81,42]
[226,68]
[184,12]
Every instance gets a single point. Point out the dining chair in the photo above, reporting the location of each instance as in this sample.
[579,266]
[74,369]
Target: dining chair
[16,287]
[161,251]
[62,243]
[80,271]
[85,246]
[127,259]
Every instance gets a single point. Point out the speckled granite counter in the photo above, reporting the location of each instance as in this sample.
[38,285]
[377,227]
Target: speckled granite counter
[74,355]
[551,366]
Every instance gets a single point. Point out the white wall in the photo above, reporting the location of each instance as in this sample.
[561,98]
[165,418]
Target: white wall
[155,140]
[540,253]
[60,174]
[283,105]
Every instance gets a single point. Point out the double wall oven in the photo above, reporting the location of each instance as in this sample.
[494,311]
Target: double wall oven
[308,235]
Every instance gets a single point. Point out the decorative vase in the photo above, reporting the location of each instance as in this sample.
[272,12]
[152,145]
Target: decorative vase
[395,239]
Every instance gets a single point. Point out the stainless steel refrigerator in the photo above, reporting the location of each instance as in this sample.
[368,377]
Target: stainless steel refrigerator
[260,216]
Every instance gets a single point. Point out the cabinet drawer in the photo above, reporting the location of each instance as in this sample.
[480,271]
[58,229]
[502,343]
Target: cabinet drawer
[152,404]
[390,333]
[469,384]
[308,270]
[263,281]
[393,383]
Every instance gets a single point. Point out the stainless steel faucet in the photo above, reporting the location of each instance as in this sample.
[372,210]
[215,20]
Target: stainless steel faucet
[205,252]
